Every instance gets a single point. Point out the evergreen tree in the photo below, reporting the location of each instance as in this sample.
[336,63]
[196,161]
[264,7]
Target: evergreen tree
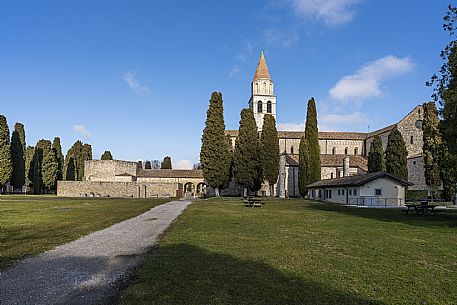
[310,160]
[432,146]
[57,148]
[49,168]
[396,155]
[269,148]
[148,165]
[40,150]
[139,164]
[166,163]
[18,156]
[376,161]
[71,161]
[303,161]
[246,157]
[86,155]
[6,163]
[214,153]
[445,92]
[29,153]
[107,155]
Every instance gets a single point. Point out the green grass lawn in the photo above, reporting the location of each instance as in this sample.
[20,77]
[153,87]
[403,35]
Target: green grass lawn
[33,224]
[299,252]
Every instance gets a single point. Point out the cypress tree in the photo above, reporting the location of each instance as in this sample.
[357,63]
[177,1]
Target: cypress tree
[49,168]
[246,157]
[396,155]
[148,165]
[37,179]
[86,155]
[57,148]
[29,153]
[73,160]
[166,163]
[269,148]
[432,147]
[107,155]
[303,161]
[376,161]
[18,156]
[310,160]
[214,153]
[6,163]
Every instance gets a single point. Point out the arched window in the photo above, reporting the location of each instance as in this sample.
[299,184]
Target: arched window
[346,151]
[334,151]
[411,140]
[264,87]
[259,107]
[356,151]
[269,106]
[271,89]
[256,87]
[291,150]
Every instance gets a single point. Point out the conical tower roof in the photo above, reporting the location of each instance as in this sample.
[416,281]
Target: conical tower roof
[262,69]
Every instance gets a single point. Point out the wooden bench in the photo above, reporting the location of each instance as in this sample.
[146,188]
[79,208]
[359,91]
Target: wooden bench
[252,202]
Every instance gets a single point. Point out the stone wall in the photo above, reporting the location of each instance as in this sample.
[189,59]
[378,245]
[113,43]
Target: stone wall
[116,189]
[416,173]
[106,170]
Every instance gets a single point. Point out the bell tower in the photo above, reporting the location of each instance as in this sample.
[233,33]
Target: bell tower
[263,100]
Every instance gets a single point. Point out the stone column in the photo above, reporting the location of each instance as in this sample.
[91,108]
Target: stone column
[282,176]
[346,167]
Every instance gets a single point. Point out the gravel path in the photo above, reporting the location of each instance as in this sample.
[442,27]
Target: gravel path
[84,271]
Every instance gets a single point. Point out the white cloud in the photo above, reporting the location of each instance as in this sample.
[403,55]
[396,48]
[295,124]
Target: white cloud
[332,122]
[291,126]
[82,130]
[285,38]
[343,122]
[234,71]
[183,164]
[244,54]
[333,12]
[366,82]
[131,78]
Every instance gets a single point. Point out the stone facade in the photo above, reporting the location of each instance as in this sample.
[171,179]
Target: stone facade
[116,178]
[335,145]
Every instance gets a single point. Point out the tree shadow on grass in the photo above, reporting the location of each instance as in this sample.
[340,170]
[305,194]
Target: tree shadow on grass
[446,218]
[184,274]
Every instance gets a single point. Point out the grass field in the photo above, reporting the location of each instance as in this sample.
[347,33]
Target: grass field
[299,252]
[33,224]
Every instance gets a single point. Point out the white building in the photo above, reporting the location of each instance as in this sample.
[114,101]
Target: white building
[374,189]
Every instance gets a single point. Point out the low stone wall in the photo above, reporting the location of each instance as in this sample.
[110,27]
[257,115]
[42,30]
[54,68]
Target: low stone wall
[116,189]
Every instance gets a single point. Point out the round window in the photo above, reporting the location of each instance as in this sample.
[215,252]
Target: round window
[419,124]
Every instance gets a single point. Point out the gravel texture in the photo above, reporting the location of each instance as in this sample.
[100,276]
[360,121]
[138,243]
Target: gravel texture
[87,270]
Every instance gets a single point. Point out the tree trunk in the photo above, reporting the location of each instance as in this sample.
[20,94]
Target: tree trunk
[272,190]
[216,190]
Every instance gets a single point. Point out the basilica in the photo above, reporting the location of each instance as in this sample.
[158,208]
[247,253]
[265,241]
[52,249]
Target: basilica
[334,146]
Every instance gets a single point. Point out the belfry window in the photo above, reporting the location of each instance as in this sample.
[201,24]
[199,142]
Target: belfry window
[269,107]
[411,140]
[259,107]
[356,151]
[264,87]
[256,87]
[346,151]
[334,151]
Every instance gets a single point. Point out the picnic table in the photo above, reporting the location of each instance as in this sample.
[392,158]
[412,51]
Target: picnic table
[421,209]
[252,202]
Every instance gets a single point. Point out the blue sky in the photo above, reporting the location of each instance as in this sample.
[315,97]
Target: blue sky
[135,77]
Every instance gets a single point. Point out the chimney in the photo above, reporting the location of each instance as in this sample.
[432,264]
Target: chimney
[346,167]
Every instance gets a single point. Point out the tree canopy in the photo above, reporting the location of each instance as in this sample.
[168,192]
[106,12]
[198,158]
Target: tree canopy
[166,163]
[269,151]
[18,156]
[376,161]
[107,155]
[396,155]
[6,162]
